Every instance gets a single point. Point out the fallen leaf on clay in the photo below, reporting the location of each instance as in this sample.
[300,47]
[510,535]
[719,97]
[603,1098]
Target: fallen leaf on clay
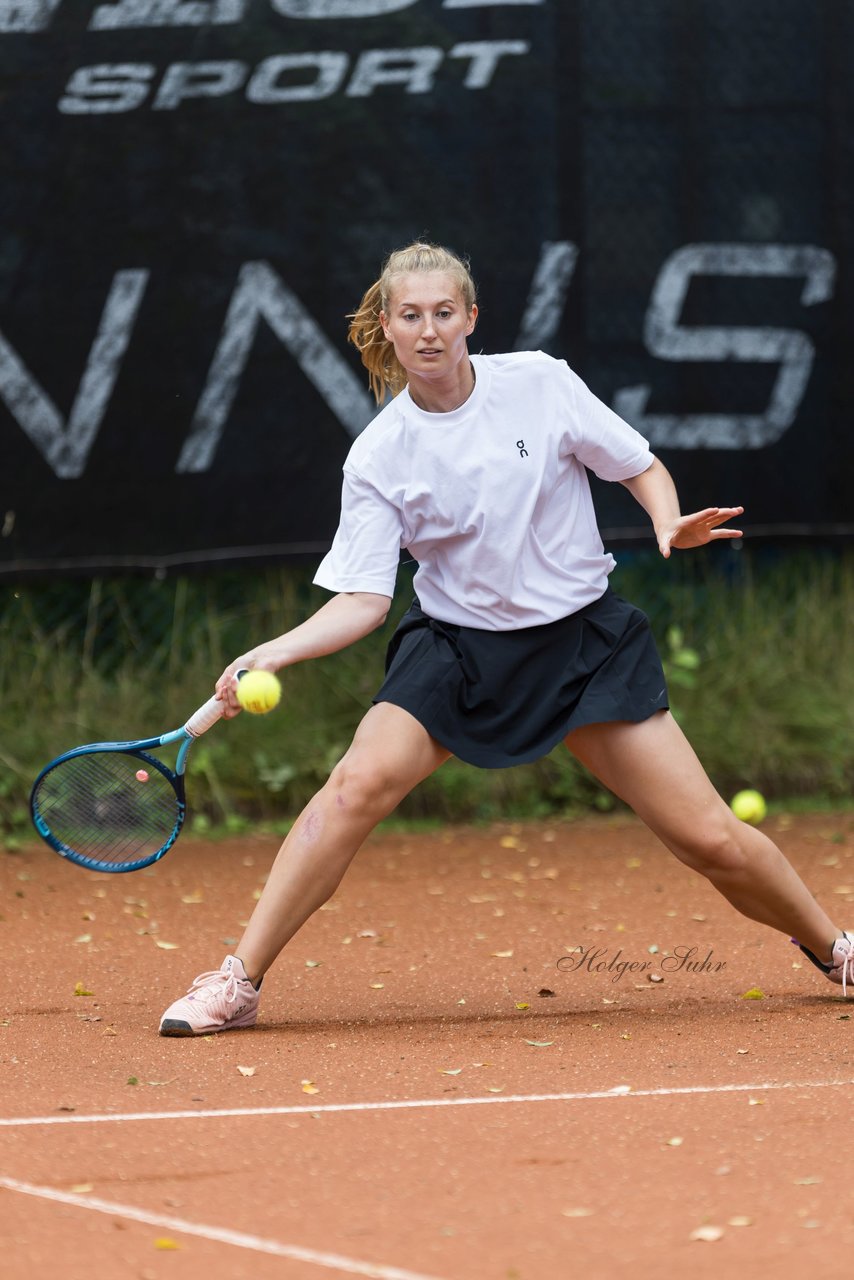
[709,1234]
[165,946]
[308,1086]
[247,1071]
[502,955]
[539,1044]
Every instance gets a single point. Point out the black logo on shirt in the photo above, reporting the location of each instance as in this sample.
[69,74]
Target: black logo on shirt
[520,445]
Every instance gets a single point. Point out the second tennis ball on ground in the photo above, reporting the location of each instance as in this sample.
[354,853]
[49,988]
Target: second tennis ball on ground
[258,692]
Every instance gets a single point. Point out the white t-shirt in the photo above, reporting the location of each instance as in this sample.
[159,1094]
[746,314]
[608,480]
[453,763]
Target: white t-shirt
[491,500]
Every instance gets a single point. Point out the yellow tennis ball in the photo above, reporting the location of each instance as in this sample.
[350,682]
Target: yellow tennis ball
[749,806]
[258,692]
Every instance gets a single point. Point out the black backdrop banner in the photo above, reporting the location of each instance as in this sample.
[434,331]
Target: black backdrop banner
[195,192]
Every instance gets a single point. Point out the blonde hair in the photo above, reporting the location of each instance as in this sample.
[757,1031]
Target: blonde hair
[385,371]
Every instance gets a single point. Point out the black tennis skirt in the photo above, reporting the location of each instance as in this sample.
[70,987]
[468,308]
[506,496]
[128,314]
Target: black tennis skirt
[501,698]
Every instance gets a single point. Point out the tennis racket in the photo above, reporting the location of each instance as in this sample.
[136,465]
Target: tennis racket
[112,806]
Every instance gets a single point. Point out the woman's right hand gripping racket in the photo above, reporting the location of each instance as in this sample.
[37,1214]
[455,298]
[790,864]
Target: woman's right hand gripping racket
[111,806]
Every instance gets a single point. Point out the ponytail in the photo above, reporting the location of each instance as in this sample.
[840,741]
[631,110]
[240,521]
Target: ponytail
[385,372]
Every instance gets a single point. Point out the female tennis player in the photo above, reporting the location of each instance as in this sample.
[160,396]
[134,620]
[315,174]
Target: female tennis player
[477,467]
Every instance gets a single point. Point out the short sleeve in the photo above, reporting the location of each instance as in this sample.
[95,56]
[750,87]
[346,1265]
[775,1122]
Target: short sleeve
[602,441]
[365,551]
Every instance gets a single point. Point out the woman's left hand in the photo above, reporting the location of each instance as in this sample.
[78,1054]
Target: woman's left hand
[698,529]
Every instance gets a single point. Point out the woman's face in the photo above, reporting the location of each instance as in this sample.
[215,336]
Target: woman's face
[428,323]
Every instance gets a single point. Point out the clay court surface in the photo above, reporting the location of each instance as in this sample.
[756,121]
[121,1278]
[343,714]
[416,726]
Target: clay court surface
[428,1094]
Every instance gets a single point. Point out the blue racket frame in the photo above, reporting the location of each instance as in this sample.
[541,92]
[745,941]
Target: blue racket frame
[206,716]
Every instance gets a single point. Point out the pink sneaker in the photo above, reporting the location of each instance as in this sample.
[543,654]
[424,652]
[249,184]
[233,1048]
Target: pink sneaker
[216,1001]
[841,967]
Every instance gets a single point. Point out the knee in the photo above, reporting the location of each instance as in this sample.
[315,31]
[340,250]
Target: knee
[360,784]
[715,847]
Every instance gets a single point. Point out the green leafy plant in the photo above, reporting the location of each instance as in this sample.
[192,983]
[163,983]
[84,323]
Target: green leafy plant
[757,650]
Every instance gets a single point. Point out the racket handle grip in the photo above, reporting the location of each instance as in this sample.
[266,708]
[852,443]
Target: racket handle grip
[205,718]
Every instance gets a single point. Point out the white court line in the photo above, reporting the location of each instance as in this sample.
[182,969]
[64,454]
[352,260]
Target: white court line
[333,1261]
[621,1091]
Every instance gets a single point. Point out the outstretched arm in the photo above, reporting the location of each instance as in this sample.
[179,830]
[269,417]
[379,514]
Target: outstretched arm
[342,621]
[655,491]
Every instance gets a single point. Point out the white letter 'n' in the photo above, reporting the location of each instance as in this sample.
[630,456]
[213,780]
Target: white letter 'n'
[260,294]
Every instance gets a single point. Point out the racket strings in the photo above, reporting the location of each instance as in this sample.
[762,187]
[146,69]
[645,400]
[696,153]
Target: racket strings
[105,806]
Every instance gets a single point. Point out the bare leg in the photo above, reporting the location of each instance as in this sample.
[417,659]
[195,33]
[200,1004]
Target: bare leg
[652,767]
[390,754]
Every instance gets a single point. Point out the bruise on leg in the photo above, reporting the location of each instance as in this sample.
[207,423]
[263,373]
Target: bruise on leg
[309,826]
